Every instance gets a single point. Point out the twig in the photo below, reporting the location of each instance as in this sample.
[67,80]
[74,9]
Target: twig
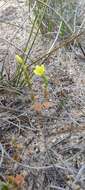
[56,187]
[81,172]
[61,44]
[23,127]
[57,166]
[56,38]
[2,154]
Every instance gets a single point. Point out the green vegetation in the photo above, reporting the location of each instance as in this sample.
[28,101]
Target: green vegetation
[56,11]
[3,186]
[42,95]
[54,19]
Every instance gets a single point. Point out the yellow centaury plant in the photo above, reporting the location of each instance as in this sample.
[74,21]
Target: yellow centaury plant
[38,71]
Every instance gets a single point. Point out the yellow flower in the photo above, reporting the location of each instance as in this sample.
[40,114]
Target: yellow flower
[39,70]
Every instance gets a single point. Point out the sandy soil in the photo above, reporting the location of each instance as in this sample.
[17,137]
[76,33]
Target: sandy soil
[48,147]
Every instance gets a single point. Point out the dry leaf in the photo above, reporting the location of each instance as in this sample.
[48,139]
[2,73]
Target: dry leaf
[40,106]
[19,180]
[18,146]
[47,104]
[16,157]
[37,107]
[46,94]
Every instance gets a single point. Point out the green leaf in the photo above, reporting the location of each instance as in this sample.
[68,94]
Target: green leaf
[50,25]
[26,49]
[62,31]
[45,80]
[3,186]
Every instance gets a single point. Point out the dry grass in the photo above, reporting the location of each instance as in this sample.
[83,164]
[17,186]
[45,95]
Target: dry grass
[46,147]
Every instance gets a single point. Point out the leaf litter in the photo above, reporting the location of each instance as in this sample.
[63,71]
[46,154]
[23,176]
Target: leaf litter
[42,146]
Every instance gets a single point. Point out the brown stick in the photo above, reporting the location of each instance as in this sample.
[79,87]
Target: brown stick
[61,44]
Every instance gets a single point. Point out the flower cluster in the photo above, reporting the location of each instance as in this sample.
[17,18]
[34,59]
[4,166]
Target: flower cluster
[39,70]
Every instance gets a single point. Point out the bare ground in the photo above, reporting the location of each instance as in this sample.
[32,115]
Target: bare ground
[46,147]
